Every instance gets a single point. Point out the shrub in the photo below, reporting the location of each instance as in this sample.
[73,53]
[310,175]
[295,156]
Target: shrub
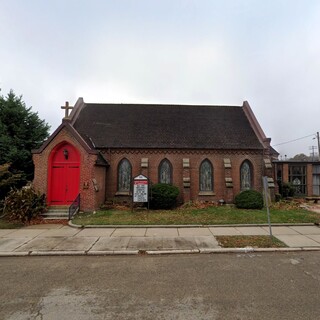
[286,189]
[23,204]
[9,180]
[277,197]
[163,196]
[249,199]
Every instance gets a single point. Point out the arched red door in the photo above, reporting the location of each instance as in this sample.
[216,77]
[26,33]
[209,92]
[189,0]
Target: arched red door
[64,175]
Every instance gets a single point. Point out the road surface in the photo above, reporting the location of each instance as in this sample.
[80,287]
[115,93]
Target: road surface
[213,286]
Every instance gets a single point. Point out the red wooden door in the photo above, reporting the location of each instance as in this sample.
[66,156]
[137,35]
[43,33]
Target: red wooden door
[72,183]
[64,176]
[57,184]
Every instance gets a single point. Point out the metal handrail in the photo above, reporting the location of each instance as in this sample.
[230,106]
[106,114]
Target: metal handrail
[74,207]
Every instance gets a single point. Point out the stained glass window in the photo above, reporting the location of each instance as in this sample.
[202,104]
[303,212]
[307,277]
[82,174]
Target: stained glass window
[206,176]
[124,176]
[245,176]
[165,172]
[298,177]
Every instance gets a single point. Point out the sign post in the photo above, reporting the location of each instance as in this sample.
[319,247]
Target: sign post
[266,196]
[141,189]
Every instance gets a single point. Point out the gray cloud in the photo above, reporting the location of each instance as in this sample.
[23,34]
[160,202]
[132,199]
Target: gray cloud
[208,52]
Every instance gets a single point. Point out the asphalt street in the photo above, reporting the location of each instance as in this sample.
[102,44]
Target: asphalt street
[278,285]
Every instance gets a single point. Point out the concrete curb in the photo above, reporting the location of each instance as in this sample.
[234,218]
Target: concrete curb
[182,251]
[112,252]
[156,252]
[310,249]
[57,253]
[192,225]
[14,254]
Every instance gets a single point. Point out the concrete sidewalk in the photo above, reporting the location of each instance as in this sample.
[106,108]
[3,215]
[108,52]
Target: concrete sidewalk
[55,239]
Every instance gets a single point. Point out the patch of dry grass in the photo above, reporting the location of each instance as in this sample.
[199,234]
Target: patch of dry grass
[249,241]
[5,224]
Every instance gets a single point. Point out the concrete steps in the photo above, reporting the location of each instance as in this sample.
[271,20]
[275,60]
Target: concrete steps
[57,212]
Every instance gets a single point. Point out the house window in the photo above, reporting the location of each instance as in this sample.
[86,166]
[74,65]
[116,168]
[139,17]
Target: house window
[124,176]
[297,176]
[246,176]
[316,180]
[165,172]
[279,173]
[206,176]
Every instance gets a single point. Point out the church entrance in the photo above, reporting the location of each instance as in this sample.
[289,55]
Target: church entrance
[64,175]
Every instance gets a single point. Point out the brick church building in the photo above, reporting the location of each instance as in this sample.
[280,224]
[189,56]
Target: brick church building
[210,152]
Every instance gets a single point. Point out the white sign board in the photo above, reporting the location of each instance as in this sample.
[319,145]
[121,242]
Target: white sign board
[140,189]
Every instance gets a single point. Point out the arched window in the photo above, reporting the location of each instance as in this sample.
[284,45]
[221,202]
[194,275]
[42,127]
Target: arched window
[206,176]
[124,176]
[165,172]
[246,175]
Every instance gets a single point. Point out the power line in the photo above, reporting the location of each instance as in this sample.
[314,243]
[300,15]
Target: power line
[279,144]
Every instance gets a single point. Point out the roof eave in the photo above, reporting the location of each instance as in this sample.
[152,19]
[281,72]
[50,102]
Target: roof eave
[66,125]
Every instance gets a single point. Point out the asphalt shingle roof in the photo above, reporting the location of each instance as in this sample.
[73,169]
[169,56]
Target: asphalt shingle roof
[165,126]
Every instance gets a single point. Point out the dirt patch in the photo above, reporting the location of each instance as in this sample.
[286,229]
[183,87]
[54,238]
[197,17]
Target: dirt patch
[249,241]
[198,205]
[47,221]
[313,207]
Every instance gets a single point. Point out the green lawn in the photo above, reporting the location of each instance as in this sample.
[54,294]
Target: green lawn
[207,216]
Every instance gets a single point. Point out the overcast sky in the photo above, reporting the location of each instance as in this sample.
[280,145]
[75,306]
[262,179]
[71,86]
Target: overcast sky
[177,52]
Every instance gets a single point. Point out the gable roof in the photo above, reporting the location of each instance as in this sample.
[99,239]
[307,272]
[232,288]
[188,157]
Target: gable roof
[68,127]
[164,126]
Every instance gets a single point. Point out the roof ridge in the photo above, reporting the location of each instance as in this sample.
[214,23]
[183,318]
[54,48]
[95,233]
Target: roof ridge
[161,104]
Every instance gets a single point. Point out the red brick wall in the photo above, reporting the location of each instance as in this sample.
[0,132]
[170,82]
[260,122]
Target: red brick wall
[40,161]
[176,158]
[309,188]
[99,183]
[285,173]
[90,197]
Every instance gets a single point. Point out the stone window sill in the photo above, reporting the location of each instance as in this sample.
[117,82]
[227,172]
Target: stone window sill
[206,193]
[123,193]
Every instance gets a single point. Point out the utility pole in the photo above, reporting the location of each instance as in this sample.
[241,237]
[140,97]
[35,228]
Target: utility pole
[312,148]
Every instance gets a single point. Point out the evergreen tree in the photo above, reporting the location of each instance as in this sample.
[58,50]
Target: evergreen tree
[9,180]
[21,130]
